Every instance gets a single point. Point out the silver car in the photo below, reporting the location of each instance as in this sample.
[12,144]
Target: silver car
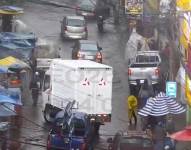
[74,27]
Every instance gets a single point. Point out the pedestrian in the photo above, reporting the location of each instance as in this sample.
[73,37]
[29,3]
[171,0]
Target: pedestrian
[145,92]
[169,144]
[152,121]
[170,125]
[139,45]
[59,52]
[34,91]
[159,135]
[137,87]
[132,109]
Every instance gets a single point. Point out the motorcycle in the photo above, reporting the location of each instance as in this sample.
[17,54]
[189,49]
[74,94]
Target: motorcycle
[100,23]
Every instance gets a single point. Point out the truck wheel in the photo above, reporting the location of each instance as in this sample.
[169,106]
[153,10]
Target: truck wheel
[47,115]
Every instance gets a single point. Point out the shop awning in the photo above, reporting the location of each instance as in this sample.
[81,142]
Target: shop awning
[10,10]
[11,62]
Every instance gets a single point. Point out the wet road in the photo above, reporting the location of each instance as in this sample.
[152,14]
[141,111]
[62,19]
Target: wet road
[45,22]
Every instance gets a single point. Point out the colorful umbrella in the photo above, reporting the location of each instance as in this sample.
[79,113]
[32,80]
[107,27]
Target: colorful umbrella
[161,105]
[183,135]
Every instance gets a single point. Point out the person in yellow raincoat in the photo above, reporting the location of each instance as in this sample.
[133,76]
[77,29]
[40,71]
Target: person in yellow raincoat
[132,108]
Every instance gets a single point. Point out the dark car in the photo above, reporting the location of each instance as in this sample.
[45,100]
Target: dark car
[86,8]
[88,50]
[93,8]
[131,140]
[74,133]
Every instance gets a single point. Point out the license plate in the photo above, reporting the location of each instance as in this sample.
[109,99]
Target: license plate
[89,57]
[84,13]
[141,81]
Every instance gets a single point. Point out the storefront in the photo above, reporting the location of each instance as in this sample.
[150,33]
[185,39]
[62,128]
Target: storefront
[184,12]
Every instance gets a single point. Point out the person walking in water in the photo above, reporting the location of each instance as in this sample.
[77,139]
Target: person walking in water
[132,109]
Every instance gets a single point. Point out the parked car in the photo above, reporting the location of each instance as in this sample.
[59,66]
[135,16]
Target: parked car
[76,132]
[93,9]
[88,50]
[74,27]
[131,140]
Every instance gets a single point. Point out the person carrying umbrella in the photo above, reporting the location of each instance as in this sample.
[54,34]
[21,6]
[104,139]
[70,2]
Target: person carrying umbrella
[132,108]
[159,135]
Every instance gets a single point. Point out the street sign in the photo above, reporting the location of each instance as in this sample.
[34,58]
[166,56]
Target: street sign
[171,89]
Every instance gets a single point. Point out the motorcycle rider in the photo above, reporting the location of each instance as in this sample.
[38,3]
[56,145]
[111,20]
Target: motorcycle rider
[102,13]
[100,22]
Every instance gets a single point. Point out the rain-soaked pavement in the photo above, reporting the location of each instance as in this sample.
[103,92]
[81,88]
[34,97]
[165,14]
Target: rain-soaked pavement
[45,22]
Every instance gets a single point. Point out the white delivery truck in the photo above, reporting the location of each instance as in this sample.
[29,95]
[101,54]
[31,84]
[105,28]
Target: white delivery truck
[87,82]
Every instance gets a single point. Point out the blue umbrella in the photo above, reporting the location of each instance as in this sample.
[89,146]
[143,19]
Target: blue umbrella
[7,99]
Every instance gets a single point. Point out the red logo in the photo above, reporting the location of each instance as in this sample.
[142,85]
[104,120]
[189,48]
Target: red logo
[86,82]
[102,82]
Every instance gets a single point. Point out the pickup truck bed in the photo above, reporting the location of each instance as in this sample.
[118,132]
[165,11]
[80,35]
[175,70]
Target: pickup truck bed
[144,66]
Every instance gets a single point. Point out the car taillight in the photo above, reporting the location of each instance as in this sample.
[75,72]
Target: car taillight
[79,55]
[83,146]
[98,55]
[157,72]
[65,28]
[129,72]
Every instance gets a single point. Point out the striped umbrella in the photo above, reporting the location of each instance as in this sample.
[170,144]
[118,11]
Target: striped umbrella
[161,105]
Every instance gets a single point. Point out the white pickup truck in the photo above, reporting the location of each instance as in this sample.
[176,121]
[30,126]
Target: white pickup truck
[145,63]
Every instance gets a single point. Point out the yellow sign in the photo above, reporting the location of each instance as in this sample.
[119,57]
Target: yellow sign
[185,30]
[188,90]
[184,5]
